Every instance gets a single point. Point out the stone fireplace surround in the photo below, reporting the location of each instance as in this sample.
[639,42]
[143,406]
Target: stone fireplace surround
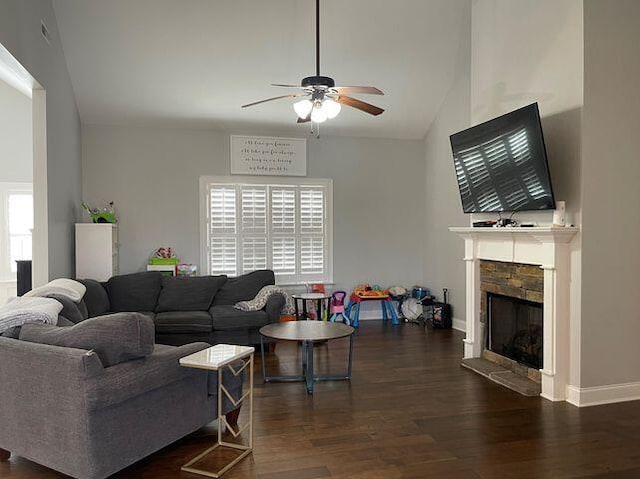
[546,248]
[514,280]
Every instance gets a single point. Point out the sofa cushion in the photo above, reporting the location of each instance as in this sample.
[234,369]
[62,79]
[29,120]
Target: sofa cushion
[243,288]
[183,322]
[70,310]
[188,294]
[115,338]
[225,317]
[95,298]
[134,292]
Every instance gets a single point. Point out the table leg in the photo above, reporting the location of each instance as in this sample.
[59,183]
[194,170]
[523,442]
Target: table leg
[350,356]
[264,366]
[319,308]
[305,315]
[394,315]
[309,371]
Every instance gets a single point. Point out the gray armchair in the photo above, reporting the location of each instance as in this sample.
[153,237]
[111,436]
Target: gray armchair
[61,408]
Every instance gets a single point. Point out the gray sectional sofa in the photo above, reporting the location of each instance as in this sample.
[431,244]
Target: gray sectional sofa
[184,310]
[90,399]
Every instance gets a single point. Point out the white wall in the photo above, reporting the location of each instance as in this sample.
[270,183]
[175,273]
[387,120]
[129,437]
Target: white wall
[611,196]
[443,265]
[152,175]
[16,143]
[20,34]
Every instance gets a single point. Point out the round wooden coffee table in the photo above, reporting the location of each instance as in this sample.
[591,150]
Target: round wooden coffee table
[307,333]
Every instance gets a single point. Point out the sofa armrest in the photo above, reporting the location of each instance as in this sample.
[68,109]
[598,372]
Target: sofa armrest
[274,306]
[133,378]
[43,399]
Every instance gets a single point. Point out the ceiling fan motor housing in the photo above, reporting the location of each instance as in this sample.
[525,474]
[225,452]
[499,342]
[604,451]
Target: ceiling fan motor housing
[327,82]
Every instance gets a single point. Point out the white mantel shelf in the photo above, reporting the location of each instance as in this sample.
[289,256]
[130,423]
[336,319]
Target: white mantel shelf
[550,248]
[539,233]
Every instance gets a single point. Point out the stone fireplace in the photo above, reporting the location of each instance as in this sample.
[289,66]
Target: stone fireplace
[526,271]
[511,307]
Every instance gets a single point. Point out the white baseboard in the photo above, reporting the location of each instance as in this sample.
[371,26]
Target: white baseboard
[459,325]
[594,396]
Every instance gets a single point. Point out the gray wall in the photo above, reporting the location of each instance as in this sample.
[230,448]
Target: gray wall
[20,34]
[16,142]
[152,175]
[610,200]
[525,51]
[443,264]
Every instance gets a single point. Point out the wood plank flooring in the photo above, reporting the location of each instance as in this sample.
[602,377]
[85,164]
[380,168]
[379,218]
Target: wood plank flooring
[410,412]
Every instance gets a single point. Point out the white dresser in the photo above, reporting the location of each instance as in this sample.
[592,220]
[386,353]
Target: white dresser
[96,251]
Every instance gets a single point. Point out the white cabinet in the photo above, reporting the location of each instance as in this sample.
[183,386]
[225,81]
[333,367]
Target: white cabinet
[96,251]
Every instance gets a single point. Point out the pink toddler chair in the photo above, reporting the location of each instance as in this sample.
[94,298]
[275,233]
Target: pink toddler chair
[337,307]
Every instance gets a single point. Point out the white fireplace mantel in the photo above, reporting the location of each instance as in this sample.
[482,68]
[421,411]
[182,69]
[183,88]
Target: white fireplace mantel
[547,247]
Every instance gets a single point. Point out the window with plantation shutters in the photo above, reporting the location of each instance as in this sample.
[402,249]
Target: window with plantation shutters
[284,226]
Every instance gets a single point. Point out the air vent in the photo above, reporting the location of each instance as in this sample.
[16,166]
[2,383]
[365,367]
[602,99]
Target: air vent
[45,32]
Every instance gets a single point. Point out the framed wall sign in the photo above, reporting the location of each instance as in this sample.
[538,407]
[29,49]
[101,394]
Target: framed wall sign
[265,155]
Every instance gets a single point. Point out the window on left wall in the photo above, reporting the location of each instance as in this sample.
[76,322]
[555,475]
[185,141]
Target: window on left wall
[16,211]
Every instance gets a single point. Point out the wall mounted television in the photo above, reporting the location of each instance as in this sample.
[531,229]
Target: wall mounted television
[501,165]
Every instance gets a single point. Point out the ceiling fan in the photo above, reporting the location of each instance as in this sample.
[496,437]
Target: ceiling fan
[321,98]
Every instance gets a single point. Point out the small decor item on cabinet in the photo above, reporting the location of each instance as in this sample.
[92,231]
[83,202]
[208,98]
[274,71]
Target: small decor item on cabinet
[164,260]
[186,269]
[105,214]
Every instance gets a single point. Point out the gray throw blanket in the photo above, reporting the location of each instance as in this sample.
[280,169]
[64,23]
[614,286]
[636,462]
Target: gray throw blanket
[260,301]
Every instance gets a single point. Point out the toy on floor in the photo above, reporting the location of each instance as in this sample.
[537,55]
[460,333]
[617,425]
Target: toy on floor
[365,292]
[337,307]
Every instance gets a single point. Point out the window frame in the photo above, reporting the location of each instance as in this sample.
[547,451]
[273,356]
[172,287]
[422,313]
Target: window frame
[266,181]
[7,189]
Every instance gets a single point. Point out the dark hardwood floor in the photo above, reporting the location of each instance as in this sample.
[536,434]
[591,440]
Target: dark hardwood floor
[410,412]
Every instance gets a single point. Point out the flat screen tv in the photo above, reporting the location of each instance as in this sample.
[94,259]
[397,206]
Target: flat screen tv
[501,165]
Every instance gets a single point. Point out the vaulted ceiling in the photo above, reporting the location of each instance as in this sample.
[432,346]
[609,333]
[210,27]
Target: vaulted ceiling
[194,62]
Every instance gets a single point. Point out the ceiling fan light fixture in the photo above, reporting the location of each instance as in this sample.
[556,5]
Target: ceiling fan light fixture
[303,108]
[318,114]
[331,107]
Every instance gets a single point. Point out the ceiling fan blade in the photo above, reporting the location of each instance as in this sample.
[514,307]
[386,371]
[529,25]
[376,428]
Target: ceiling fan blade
[360,105]
[274,98]
[286,85]
[367,90]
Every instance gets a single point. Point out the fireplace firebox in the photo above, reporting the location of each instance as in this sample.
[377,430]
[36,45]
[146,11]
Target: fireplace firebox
[515,329]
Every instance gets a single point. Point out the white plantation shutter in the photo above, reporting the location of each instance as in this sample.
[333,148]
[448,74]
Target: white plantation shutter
[223,220]
[283,210]
[254,210]
[223,209]
[311,210]
[312,255]
[254,254]
[284,255]
[312,219]
[284,227]
[223,256]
